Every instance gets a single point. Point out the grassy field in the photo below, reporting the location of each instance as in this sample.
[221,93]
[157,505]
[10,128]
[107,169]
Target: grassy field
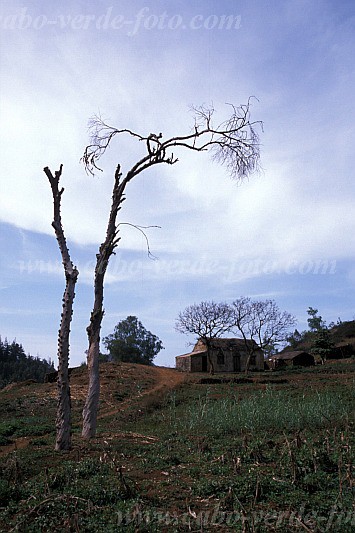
[273,451]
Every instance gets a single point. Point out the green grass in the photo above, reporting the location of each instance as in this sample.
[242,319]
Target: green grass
[265,410]
[274,455]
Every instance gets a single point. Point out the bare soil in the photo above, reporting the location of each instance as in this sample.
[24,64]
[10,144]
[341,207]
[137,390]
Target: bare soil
[121,386]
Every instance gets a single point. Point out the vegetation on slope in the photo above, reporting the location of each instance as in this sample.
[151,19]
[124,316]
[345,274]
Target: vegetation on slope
[15,365]
[341,338]
[275,451]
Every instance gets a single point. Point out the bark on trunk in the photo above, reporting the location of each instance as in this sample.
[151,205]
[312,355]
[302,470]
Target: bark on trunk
[247,363]
[63,419]
[208,345]
[106,250]
[93,330]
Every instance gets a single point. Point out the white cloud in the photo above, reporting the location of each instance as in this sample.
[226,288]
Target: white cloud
[297,59]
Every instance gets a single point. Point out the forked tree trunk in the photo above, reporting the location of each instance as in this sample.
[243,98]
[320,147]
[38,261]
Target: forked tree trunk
[63,419]
[93,330]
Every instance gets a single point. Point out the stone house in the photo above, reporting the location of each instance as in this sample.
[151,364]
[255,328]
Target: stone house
[227,355]
[295,358]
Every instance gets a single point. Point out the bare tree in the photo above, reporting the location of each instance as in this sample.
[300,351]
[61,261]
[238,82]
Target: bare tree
[105,251]
[233,143]
[262,322]
[63,420]
[207,320]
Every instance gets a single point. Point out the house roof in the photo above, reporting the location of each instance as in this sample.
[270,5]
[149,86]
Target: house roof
[197,352]
[288,356]
[228,343]
[224,344]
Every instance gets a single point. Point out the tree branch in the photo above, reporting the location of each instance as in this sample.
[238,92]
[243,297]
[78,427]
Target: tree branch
[234,143]
[141,228]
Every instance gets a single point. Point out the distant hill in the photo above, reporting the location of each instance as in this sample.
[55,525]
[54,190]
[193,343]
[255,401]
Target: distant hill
[342,335]
[16,366]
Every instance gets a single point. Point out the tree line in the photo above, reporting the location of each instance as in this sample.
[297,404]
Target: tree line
[259,321]
[15,365]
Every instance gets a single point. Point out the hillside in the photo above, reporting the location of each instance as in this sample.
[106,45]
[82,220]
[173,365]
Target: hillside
[341,335]
[177,452]
[15,365]
[123,386]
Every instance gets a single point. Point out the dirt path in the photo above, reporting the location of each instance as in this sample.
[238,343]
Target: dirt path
[158,382]
[18,444]
[166,380]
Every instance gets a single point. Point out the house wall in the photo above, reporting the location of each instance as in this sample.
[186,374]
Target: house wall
[229,353]
[303,360]
[200,345]
[194,363]
[345,350]
[235,360]
[183,364]
[228,365]
[259,361]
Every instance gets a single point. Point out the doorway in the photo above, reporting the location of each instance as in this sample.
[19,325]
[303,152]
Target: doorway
[236,363]
[204,363]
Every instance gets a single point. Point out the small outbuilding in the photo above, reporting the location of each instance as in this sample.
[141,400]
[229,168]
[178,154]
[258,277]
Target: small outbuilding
[296,358]
[342,351]
[226,355]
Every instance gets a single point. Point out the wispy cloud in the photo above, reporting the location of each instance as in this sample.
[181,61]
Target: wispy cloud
[295,217]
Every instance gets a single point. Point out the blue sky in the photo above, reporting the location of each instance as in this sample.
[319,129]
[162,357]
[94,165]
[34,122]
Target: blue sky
[287,233]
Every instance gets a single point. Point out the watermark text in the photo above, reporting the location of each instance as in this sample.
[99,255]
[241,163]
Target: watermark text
[227,271]
[144,19]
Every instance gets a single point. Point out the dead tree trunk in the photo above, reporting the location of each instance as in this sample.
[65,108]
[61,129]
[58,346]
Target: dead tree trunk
[233,143]
[63,419]
[102,258]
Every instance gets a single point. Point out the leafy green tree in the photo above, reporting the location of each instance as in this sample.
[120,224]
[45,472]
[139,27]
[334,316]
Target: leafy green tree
[322,344]
[131,342]
[15,365]
[295,338]
[315,322]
